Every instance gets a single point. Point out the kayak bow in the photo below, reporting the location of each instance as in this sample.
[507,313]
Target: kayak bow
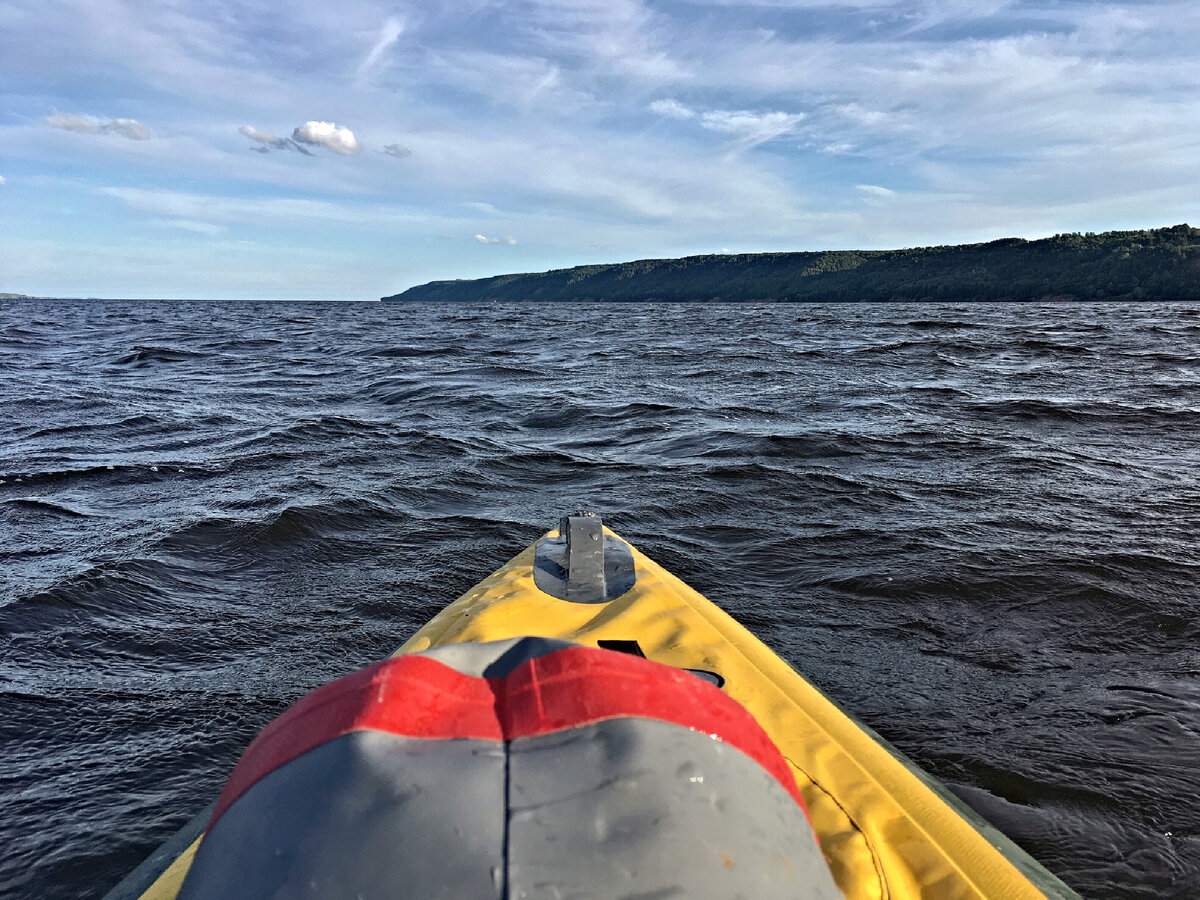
[886,829]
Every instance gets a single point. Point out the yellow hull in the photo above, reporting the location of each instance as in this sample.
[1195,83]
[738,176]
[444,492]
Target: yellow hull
[886,829]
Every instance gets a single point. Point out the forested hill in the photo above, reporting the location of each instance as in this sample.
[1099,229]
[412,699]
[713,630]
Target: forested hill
[1161,264]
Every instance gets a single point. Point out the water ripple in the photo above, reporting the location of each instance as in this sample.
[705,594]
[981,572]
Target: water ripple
[973,525]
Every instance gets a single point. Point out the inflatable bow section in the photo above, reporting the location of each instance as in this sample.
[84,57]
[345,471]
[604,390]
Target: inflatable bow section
[521,768]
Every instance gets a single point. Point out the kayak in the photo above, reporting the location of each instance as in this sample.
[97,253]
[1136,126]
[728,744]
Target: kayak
[885,828]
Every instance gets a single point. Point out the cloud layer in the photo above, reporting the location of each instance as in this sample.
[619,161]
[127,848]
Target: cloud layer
[607,129]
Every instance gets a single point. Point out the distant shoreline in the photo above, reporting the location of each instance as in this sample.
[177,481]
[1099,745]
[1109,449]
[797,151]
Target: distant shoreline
[1157,264]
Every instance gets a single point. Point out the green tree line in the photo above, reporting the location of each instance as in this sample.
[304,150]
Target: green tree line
[1158,264]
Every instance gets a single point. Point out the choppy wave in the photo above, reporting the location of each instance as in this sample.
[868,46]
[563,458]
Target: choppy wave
[142,356]
[974,526]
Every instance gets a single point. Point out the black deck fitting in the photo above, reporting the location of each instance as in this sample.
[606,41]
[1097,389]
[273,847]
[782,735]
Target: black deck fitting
[583,564]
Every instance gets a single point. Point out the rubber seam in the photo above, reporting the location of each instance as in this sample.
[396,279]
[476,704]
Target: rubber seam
[884,892]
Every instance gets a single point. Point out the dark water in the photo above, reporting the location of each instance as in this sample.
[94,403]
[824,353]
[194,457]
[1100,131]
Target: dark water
[974,526]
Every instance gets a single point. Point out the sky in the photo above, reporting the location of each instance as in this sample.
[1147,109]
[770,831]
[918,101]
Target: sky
[349,150]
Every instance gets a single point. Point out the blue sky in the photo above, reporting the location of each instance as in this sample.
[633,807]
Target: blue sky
[215,148]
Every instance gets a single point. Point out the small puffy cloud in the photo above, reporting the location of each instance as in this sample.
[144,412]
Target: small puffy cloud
[672,109]
[328,135]
[506,240]
[397,151]
[750,127]
[267,141]
[3,180]
[126,128]
[256,134]
[874,190]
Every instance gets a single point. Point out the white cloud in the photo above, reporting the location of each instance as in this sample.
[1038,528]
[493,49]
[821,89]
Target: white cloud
[328,135]
[750,127]
[875,190]
[321,134]
[127,128]
[672,109]
[3,180]
[388,35]
[506,240]
[255,134]
[397,150]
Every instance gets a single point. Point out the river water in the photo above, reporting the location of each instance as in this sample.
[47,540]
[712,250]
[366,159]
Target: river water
[974,526]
